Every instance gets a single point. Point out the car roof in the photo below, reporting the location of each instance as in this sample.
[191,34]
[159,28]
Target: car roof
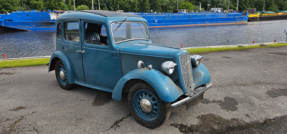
[99,15]
[109,13]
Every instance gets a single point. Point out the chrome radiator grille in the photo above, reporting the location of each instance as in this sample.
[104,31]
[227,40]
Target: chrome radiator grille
[185,65]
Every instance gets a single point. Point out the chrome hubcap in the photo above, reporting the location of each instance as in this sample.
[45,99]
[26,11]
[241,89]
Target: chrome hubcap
[62,75]
[146,105]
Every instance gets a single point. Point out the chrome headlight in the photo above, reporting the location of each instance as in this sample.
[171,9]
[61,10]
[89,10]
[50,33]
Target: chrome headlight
[168,67]
[195,60]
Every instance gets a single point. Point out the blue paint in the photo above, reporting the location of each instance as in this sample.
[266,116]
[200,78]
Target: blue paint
[172,19]
[61,68]
[24,20]
[148,49]
[166,89]
[145,94]
[64,59]
[201,75]
[109,67]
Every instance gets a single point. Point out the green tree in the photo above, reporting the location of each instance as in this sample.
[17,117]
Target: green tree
[36,4]
[243,5]
[135,5]
[54,4]
[271,6]
[186,5]
[82,7]
[144,5]
[8,5]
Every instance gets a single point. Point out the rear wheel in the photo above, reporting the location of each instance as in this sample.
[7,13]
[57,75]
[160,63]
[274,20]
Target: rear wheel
[146,107]
[62,76]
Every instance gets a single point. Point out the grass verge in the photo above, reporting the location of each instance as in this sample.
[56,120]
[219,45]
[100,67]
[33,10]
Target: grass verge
[44,61]
[204,50]
[23,62]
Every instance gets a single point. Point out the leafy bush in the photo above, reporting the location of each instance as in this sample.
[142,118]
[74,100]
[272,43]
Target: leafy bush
[186,5]
[82,7]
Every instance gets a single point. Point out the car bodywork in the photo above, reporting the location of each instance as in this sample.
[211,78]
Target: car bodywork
[113,68]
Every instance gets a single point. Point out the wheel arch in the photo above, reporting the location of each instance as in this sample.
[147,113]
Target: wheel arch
[166,89]
[53,63]
[61,56]
[130,83]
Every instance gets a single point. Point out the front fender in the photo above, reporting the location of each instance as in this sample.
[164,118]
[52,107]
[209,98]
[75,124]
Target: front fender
[166,89]
[60,55]
[201,75]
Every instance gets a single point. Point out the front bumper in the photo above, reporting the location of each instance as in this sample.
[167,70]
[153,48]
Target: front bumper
[196,93]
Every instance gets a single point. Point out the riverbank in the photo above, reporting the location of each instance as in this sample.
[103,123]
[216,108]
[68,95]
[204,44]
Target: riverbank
[23,62]
[43,61]
[234,47]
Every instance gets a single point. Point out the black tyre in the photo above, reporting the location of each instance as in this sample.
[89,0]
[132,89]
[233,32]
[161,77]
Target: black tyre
[146,107]
[62,75]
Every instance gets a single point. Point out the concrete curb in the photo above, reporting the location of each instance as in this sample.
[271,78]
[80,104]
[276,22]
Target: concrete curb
[36,57]
[243,45]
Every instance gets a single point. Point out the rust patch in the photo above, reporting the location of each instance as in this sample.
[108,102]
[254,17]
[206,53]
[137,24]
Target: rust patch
[229,104]
[278,53]
[102,99]
[214,124]
[274,93]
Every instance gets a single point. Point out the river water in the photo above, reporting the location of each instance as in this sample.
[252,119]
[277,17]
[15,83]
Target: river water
[42,43]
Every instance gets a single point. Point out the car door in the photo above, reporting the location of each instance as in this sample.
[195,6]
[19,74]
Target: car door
[98,59]
[70,45]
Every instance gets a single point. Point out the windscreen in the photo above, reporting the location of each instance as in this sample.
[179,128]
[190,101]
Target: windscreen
[124,31]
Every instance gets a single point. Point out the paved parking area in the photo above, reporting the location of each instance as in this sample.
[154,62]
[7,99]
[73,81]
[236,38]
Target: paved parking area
[249,95]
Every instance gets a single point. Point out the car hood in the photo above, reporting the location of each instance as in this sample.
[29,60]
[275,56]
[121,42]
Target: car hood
[150,49]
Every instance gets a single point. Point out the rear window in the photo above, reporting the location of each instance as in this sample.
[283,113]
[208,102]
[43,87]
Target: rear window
[72,32]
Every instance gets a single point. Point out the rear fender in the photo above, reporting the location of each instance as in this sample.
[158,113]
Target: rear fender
[58,55]
[166,89]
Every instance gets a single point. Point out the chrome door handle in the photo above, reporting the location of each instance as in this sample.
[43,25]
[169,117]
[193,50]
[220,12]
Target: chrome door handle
[79,51]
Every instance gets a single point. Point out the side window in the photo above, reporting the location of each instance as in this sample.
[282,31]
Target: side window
[96,34]
[72,32]
[59,31]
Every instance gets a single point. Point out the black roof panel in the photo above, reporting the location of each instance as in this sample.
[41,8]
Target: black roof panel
[108,13]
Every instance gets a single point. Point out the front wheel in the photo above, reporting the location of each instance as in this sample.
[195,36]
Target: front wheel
[146,107]
[62,76]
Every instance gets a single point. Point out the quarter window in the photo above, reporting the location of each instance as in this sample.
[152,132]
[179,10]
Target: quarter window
[72,32]
[59,31]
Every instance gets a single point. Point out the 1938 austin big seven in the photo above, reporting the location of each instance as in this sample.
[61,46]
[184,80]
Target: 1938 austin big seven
[113,52]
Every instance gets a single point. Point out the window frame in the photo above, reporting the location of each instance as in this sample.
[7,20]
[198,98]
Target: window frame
[61,30]
[111,30]
[64,35]
[84,33]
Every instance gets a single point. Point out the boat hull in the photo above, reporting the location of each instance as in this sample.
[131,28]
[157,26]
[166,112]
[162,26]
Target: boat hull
[27,26]
[275,17]
[194,19]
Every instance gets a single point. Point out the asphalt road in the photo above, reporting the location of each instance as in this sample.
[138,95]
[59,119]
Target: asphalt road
[249,95]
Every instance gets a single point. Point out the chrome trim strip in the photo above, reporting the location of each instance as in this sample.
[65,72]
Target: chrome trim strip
[190,98]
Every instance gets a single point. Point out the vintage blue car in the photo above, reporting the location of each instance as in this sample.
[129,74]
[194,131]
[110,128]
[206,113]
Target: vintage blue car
[113,52]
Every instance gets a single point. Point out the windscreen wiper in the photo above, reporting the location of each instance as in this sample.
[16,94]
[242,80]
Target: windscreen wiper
[120,24]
